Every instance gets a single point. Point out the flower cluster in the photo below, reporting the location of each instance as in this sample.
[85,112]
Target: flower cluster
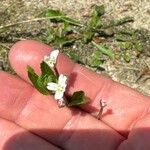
[50,82]
[59,87]
[52,58]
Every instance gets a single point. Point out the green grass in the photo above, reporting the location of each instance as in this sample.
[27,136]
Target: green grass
[90,43]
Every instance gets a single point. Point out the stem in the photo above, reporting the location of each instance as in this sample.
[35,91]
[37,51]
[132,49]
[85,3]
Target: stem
[56,71]
[62,102]
[34,20]
[102,106]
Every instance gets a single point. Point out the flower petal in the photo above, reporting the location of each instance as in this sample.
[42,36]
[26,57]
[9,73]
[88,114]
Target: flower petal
[61,102]
[54,54]
[52,58]
[62,80]
[58,95]
[52,86]
[46,58]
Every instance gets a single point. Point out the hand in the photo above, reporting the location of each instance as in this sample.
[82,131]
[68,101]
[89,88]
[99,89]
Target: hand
[32,121]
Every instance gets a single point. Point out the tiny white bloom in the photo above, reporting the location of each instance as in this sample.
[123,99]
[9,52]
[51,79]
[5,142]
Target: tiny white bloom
[52,58]
[103,103]
[61,102]
[58,88]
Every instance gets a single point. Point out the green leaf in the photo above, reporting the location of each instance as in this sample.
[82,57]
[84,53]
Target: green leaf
[124,37]
[59,37]
[125,45]
[94,23]
[95,59]
[36,81]
[88,36]
[46,70]
[71,21]
[99,10]
[45,79]
[54,13]
[51,35]
[105,50]
[63,41]
[58,16]
[77,99]
[67,28]
[75,57]
[139,46]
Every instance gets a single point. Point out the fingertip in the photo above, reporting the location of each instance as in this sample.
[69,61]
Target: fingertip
[25,53]
[30,52]
[14,93]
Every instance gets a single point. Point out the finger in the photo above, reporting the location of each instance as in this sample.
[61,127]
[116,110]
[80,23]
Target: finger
[67,128]
[13,137]
[139,137]
[32,53]
[124,105]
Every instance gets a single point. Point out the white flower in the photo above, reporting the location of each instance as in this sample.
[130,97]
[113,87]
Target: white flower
[103,103]
[52,58]
[58,88]
[61,102]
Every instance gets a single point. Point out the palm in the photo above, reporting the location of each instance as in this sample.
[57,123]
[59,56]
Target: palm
[30,120]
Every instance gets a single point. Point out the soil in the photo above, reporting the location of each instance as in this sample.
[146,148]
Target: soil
[135,74]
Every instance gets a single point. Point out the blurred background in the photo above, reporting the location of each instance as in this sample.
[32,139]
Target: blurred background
[111,37]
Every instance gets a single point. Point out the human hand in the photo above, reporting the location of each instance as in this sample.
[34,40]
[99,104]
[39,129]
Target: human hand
[30,120]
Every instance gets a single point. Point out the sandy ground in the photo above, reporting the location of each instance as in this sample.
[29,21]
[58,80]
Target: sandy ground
[140,9]
[18,10]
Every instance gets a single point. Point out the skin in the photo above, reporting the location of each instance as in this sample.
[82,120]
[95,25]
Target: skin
[30,120]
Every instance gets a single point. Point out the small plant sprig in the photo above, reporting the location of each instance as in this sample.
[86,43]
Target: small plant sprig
[51,83]
[103,104]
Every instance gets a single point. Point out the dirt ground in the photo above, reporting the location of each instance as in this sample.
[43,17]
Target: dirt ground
[135,74]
